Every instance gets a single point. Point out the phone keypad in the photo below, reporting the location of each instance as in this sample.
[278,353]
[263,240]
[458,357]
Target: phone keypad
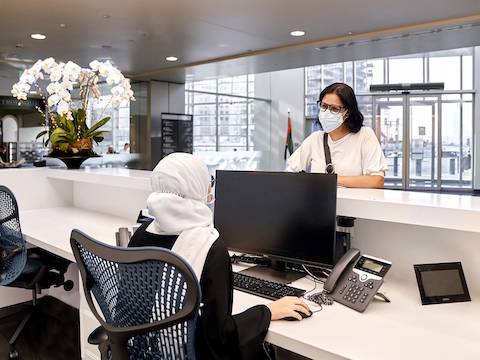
[355,293]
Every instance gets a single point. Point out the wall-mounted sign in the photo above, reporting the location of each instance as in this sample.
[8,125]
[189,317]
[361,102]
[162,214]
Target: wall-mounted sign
[177,133]
[10,103]
[173,133]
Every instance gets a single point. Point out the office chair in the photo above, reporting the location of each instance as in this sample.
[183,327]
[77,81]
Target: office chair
[149,298]
[32,269]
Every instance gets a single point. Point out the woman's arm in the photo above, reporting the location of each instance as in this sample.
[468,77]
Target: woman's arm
[363,181]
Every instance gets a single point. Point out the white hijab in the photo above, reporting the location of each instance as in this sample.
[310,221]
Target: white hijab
[178,204]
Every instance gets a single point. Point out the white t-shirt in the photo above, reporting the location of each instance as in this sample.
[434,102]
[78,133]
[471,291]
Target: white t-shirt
[353,155]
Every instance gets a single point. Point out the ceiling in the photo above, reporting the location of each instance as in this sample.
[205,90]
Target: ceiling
[213,37]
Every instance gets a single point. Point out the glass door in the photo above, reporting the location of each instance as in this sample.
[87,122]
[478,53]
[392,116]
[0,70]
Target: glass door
[423,134]
[414,163]
[389,126]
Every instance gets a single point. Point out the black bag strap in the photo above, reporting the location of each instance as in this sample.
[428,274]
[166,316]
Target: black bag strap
[328,159]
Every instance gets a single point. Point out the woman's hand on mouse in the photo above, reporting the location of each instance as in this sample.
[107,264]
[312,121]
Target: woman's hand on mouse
[289,306]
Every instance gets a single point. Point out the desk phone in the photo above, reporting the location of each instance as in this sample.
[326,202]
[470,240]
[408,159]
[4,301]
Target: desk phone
[355,279]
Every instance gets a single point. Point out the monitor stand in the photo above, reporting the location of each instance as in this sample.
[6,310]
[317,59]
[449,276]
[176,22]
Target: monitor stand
[277,272]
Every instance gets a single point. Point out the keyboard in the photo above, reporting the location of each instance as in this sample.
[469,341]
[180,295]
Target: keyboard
[264,288]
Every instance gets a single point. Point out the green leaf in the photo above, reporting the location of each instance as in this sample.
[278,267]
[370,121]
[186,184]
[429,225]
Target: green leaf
[97,125]
[59,136]
[80,115]
[41,133]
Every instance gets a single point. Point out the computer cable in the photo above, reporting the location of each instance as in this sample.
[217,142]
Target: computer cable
[322,280]
[320,298]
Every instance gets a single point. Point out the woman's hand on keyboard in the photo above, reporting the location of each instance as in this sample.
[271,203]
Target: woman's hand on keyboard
[289,306]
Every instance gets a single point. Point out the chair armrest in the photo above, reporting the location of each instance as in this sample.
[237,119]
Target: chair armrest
[98,336]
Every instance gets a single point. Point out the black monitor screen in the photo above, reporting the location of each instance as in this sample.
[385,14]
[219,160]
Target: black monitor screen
[290,216]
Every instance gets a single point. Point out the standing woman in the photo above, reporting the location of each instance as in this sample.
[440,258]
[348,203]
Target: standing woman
[355,153]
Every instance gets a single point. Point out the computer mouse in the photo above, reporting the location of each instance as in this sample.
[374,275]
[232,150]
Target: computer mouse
[303,315]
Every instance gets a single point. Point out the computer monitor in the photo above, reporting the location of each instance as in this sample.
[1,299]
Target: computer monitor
[286,216]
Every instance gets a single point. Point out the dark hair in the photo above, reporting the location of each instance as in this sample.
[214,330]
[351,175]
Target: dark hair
[347,96]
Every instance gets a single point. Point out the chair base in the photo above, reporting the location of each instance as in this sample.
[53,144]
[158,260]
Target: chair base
[13,353]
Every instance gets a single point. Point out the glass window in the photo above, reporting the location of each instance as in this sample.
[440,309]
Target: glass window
[405,70]
[205,85]
[223,120]
[445,69]
[450,143]
[332,73]
[368,72]
[467,72]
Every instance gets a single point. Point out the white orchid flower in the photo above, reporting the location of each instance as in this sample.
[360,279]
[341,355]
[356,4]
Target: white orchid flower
[53,88]
[53,100]
[67,84]
[62,107]
[95,65]
[48,64]
[27,77]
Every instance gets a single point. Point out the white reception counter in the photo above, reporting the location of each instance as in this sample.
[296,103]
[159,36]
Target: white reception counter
[405,227]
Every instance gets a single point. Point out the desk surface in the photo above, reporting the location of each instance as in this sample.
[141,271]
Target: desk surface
[50,228]
[403,329]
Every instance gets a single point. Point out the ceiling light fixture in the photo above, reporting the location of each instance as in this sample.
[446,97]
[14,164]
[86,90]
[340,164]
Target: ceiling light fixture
[62,26]
[106,16]
[38,36]
[297,33]
[19,46]
[171,58]
[350,33]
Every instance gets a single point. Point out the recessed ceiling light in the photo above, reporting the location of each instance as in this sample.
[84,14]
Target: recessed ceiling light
[38,36]
[350,33]
[19,46]
[297,33]
[63,26]
[106,16]
[171,58]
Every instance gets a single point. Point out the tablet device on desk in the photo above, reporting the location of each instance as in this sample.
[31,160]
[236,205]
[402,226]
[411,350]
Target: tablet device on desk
[441,283]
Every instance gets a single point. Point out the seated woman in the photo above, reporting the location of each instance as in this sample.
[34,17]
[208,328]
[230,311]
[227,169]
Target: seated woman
[183,222]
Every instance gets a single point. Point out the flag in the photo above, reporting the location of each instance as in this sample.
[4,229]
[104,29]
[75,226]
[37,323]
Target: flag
[288,140]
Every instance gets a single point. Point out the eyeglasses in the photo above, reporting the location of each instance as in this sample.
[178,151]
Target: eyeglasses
[212,181]
[334,109]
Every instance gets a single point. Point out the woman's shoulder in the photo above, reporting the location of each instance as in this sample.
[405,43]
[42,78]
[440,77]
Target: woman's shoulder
[366,134]
[314,137]
[366,131]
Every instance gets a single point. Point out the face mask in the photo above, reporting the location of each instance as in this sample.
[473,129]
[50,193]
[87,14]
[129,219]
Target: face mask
[329,120]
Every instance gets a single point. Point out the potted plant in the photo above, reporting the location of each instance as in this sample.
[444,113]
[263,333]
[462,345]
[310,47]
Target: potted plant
[66,129]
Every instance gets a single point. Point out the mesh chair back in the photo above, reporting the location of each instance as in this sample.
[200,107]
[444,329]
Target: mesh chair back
[13,253]
[149,298]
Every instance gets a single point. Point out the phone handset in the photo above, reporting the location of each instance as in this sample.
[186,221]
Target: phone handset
[350,256]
